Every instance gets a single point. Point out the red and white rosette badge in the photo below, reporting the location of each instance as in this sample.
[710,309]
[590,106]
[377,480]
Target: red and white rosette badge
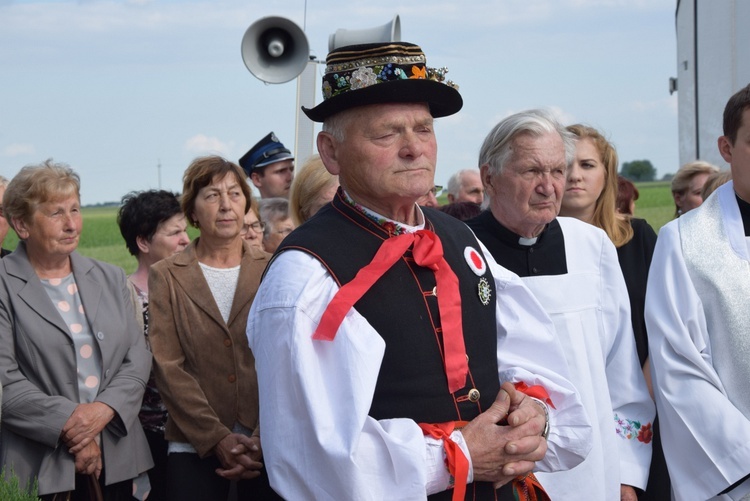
[478,265]
[475,261]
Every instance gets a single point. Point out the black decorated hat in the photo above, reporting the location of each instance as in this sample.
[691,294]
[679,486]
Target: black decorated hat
[267,151]
[379,73]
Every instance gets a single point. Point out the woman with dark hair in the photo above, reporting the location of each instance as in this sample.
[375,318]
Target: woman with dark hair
[154,227]
[205,371]
[590,195]
[627,194]
[463,211]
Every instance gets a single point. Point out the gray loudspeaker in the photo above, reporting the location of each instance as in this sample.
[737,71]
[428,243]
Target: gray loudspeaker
[389,32]
[275,49]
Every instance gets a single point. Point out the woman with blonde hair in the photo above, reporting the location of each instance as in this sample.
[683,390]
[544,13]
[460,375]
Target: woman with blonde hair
[312,188]
[73,360]
[591,196]
[714,181]
[687,185]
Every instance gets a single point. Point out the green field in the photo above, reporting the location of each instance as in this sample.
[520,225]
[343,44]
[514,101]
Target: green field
[101,237]
[655,203]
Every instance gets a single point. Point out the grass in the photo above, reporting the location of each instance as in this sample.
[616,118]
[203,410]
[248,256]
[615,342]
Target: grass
[655,203]
[101,237]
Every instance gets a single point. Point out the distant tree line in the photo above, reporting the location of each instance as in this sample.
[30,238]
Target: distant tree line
[638,170]
[642,170]
[103,204]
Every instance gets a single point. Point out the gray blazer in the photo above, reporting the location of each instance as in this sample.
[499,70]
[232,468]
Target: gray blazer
[38,373]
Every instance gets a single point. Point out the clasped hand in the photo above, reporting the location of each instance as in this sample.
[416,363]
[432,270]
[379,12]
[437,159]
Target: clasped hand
[86,423]
[500,452]
[240,457]
[89,459]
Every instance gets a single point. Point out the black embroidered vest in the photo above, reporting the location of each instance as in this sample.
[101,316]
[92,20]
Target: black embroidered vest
[403,309]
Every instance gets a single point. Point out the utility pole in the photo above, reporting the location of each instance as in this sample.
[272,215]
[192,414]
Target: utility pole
[158,171]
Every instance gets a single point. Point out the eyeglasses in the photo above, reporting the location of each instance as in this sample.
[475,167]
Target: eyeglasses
[257,227]
[435,189]
[285,231]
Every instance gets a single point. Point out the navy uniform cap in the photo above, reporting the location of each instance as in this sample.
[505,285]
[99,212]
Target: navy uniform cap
[267,151]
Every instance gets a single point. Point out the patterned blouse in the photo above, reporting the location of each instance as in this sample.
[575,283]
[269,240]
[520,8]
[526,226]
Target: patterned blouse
[153,414]
[63,292]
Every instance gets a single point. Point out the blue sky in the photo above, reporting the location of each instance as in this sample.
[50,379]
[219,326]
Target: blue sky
[115,88]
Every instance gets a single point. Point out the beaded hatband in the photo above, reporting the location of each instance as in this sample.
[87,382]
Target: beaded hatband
[382,64]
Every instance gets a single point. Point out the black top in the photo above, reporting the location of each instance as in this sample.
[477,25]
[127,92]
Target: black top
[635,260]
[402,307]
[545,257]
[745,213]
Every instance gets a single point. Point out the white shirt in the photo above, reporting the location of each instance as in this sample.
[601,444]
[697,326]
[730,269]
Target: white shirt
[590,308]
[706,438]
[318,440]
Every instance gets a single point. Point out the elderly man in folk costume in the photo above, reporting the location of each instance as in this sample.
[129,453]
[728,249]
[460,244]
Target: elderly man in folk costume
[395,358]
[698,319]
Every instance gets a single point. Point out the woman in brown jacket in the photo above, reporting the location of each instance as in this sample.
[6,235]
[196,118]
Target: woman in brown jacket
[204,368]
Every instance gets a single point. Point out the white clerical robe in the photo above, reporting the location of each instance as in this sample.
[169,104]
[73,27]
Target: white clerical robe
[318,440]
[591,311]
[706,439]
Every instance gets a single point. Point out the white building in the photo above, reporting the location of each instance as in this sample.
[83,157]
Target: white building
[713,62]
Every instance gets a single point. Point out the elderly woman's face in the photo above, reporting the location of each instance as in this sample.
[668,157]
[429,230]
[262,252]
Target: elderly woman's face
[278,232]
[252,230]
[54,228]
[170,238]
[220,208]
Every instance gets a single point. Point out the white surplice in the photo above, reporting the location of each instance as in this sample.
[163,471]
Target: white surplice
[706,438]
[591,311]
[318,440]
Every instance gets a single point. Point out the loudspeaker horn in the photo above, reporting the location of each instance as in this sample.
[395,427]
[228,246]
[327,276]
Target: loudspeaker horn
[275,49]
[389,32]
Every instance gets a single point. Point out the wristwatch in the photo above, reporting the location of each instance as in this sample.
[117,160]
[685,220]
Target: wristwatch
[545,431]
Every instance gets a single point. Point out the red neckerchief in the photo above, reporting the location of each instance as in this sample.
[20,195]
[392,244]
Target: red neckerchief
[428,252]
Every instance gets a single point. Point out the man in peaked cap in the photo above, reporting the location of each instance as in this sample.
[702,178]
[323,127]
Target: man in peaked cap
[270,167]
[395,359]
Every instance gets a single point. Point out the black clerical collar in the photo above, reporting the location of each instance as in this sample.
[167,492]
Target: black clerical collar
[745,213]
[545,257]
[512,238]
